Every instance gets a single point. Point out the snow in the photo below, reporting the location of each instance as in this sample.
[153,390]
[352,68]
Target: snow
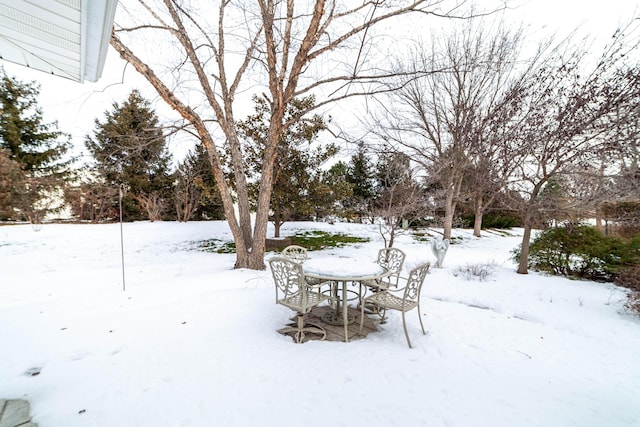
[344,267]
[193,342]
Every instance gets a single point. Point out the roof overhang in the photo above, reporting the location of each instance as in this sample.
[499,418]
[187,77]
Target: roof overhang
[67,38]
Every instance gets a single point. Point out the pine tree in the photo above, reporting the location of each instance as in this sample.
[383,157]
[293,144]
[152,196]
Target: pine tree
[37,147]
[196,194]
[298,165]
[12,184]
[361,175]
[130,149]
[330,192]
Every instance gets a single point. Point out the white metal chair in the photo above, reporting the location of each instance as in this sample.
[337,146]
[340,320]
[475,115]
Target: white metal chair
[294,292]
[299,254]
[402,299]
[295,253]
[393,260]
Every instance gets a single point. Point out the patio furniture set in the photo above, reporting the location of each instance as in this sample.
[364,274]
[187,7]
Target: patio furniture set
[303,284]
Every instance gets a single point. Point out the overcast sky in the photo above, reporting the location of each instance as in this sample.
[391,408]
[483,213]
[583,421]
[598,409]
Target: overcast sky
[75,106]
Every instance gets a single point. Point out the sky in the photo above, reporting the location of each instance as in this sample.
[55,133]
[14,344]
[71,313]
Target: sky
[76,106]
[192,342]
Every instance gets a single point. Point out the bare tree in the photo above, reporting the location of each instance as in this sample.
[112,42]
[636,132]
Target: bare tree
[494,156]
[626,136]
[400,198]
[187,188]
[439,118]
[210,59]
[561,124]
[186,195]
[152,203]
[92,200]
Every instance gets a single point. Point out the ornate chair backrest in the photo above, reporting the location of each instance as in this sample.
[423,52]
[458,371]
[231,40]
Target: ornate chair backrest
[393,260]
[295,253]
[287,276]
[414,282]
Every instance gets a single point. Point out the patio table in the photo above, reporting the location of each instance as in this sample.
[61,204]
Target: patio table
[342,271]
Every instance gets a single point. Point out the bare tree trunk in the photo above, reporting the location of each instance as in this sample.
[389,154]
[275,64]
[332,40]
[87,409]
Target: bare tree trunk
[480,206]
[392,238]
[256,256]
[523,266]
[383,234]
[477,222]
[449,212]
[599,224]
[276,225]
[448,220]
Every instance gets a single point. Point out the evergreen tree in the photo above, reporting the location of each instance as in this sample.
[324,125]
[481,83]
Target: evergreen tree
[38,148]
[330,190]
[298,165]
[393,169]
[361,175]
[196,194]
[130,149]
[12,185]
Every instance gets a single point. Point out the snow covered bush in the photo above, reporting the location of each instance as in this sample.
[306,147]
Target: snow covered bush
[479,272]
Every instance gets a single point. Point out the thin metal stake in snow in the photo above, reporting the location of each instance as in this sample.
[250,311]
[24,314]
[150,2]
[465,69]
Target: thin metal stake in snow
[124,288]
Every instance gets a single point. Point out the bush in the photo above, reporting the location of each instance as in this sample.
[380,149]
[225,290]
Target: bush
[629,278]
[633,302]
[479,272]
[582,251]
[500,221]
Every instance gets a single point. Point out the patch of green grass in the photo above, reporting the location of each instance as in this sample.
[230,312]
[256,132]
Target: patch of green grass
[422,236]
[215,245]
[316,240]
[312,240]
[427,238]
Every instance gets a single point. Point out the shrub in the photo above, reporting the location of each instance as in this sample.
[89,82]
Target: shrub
[629,278]
[492,220]
[633,302]
[479,272]
[582,251]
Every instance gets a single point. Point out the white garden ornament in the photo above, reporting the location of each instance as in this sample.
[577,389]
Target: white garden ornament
[439,247]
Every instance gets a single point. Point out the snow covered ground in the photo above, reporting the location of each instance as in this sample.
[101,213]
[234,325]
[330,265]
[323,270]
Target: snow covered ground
[193,342]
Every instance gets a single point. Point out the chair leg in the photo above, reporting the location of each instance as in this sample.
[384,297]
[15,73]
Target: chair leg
[383,318]
[300,332]
[404,324]
[361,315]
[420,318]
